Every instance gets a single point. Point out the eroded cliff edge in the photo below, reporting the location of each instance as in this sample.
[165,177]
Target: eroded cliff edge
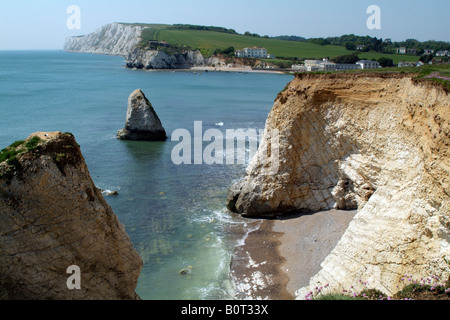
[375,142]
[122,39]
[52,217]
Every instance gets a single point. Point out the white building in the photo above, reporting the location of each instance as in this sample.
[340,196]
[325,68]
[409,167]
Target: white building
[368,64]
[298,67]
[401,50]
[443,53]
[313,65]
[406,64]
[347,66]
[410,64]
[327,66]
[255,52]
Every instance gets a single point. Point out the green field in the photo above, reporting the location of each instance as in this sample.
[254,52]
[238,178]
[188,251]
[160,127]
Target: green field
[395,57]
[436,73]
[209,41]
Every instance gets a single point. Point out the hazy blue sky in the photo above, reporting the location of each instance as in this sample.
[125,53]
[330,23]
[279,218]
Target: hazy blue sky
[41,24]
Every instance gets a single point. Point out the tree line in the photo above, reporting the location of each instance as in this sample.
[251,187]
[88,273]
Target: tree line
[371,44]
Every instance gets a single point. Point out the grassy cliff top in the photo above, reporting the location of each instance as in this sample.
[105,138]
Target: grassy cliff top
[62,147]
[209,39]
[437,74]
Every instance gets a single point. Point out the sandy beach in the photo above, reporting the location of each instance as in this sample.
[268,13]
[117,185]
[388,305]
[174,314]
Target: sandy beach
[282,255]
[234,69]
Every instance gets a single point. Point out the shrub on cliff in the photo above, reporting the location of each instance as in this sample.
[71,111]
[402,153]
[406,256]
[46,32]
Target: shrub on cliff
[429,288]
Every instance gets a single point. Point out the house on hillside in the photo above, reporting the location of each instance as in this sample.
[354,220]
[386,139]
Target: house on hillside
[410,64]
[406,64]
[443,53]
[255,52]
[401,50]
[368,64]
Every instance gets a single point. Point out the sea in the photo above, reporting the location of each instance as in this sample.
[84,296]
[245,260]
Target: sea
[174,214]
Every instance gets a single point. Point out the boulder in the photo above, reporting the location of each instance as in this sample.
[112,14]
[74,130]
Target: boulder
[142,122]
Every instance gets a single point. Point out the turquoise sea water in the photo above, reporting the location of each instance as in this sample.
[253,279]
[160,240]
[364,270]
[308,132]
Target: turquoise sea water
[175,215]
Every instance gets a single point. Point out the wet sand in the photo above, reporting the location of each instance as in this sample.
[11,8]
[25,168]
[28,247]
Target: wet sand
[282,255]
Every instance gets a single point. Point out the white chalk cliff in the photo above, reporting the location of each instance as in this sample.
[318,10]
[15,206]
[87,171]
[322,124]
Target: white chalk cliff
[121,39]
[113,39]
[378,143]
[154,59]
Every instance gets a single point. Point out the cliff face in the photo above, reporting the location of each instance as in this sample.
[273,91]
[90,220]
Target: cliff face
[51,217]
[153,59]
[123,39]
[113,39]
[378,143]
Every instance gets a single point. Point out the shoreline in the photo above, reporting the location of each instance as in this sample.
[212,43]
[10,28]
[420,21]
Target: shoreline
[217,69]
[256,266]
[282,255]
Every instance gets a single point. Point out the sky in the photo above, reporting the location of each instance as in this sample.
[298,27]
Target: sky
[42,24]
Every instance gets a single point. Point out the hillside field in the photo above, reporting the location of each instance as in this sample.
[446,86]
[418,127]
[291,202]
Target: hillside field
[209,41]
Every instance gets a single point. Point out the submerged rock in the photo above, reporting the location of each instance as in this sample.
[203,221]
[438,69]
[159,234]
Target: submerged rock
[142,122]
[186,270]
[108,193]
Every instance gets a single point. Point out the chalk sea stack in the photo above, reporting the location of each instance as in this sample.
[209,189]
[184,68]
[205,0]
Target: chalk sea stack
[53,217]
[142,122]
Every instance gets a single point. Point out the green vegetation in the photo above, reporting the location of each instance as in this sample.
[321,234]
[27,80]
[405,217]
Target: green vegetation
[368,44]
[386,62]
[35,147]
[151,32]
[32,143]
[348,58]
[333,296]
[429,288]
[211,40]
[60,157]
[206,28]
[437,73]
[11,153]
[414,291]
[396,58]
